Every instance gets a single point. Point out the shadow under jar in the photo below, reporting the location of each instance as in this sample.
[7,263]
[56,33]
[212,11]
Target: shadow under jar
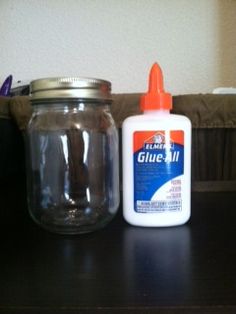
[72,152]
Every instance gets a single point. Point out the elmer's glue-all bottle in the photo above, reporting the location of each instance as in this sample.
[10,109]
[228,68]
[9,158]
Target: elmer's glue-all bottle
[156,161]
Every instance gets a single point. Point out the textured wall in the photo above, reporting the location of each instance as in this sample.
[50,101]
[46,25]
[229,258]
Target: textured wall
[193,40]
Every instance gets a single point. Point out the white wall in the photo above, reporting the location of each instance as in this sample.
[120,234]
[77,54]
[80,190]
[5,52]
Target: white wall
[193,40]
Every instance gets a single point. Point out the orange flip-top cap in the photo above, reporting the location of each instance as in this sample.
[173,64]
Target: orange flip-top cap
[156,98]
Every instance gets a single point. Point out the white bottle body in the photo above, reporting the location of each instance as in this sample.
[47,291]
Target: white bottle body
[156,121]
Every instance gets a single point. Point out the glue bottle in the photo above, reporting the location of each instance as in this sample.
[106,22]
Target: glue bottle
[156,161]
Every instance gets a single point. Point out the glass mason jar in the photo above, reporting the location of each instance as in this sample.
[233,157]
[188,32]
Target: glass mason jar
[72,152]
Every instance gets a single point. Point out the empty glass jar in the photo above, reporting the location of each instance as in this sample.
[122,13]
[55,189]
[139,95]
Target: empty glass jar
[72,149]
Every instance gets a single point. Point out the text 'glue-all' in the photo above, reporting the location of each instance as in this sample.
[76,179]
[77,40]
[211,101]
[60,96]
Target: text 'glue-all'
[156,161]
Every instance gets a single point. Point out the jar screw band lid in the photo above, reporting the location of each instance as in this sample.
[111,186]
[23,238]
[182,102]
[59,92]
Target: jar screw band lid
[70,87]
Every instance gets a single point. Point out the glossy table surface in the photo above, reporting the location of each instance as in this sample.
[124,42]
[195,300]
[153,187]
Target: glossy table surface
[120,269]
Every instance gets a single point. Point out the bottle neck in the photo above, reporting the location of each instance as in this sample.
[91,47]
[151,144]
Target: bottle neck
[159,112]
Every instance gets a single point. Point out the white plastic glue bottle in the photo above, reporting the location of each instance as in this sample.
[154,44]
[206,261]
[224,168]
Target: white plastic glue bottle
[156,161]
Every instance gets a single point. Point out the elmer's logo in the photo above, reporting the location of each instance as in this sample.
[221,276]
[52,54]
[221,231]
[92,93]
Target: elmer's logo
[158,141]
[158,146]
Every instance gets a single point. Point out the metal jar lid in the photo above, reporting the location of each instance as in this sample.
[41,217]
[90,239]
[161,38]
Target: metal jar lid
[70,87]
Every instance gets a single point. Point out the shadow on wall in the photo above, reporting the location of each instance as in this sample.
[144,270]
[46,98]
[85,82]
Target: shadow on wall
[227,43]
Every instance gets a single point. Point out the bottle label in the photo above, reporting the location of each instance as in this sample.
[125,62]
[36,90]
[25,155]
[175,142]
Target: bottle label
[158,171]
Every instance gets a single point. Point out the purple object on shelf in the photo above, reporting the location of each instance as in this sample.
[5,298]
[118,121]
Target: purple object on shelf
[6,86]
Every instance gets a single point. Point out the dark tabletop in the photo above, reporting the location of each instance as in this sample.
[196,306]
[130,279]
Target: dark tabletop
[120,269]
